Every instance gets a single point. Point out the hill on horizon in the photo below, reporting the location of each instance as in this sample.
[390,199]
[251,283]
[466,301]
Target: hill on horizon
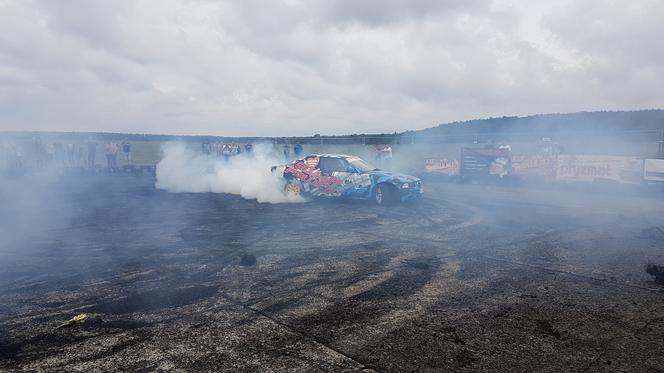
[644,122]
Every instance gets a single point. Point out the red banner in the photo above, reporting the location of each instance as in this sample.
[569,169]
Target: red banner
[443,166]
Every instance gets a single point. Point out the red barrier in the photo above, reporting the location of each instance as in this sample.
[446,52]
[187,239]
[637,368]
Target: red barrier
[444,166]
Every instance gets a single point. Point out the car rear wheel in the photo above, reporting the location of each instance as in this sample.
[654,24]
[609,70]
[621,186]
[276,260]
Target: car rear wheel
[384,195]
[293,189]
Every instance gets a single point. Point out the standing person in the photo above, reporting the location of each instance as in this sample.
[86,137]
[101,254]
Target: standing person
[226,152]
[126,151]
[108,151]
[38,152]
[205,147]
[378,152]
[92,154]
[17,156]
[6,156]
[50,154]
[70,154]
[59,154]
[286,152]
[248,148]
[115,149]
[297,150]
[80,161]
[12,154]
[386,156]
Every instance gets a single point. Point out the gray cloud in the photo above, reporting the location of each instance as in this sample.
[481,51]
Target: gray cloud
[302,67]
[384,12]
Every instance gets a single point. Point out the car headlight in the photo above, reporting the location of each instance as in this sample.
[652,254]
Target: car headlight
[405,186]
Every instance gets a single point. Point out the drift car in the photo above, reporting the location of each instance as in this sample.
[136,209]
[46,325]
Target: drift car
[335,175]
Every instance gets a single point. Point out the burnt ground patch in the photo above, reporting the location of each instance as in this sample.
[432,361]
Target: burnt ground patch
[7,349]
[540,322]
[470,279]
[56,342]
[331,324]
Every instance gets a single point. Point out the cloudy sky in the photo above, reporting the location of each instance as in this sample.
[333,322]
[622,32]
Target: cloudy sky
[300,67]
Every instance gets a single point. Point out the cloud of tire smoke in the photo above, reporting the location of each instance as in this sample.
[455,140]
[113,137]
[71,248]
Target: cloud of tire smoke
[32,205]
[184,170]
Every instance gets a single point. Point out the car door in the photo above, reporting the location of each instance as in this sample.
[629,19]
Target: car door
[334,171]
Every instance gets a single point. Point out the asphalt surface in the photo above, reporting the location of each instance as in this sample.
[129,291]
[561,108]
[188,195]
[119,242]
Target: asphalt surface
[472,278]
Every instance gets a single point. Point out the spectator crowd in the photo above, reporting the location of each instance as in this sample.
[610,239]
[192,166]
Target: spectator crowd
[38,154]
[34,153]
[228,150]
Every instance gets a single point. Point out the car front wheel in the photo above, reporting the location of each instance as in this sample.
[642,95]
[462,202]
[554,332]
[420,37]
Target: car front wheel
[384,195]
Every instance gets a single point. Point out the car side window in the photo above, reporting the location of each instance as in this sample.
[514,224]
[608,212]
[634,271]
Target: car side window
[329,165]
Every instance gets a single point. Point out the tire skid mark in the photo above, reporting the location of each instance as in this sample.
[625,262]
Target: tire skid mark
[360,281]
[304,335]
[410,308]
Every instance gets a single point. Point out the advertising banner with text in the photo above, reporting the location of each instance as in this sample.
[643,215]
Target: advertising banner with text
[444,166]
[589,168]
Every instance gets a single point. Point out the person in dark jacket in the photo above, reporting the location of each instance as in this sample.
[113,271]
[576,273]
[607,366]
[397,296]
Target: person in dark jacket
[126,151]
[92,154]
[297,150]
[286,151]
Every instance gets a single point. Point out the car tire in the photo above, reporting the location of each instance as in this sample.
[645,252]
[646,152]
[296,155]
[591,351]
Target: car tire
[293,188]
[384,195]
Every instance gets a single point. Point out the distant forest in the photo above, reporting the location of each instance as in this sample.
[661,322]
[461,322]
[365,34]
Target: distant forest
[638,124]
[598,123]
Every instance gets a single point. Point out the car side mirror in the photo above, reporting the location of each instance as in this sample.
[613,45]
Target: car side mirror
[352,170]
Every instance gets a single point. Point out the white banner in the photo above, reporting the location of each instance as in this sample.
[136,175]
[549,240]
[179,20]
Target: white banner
[590,168]
[653,170]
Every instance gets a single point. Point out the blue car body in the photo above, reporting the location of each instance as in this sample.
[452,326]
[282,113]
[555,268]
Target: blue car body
[338,175]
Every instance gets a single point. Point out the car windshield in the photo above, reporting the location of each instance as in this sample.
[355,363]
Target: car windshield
[361,165]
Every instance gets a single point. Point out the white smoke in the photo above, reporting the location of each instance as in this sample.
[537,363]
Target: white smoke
[247,175]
